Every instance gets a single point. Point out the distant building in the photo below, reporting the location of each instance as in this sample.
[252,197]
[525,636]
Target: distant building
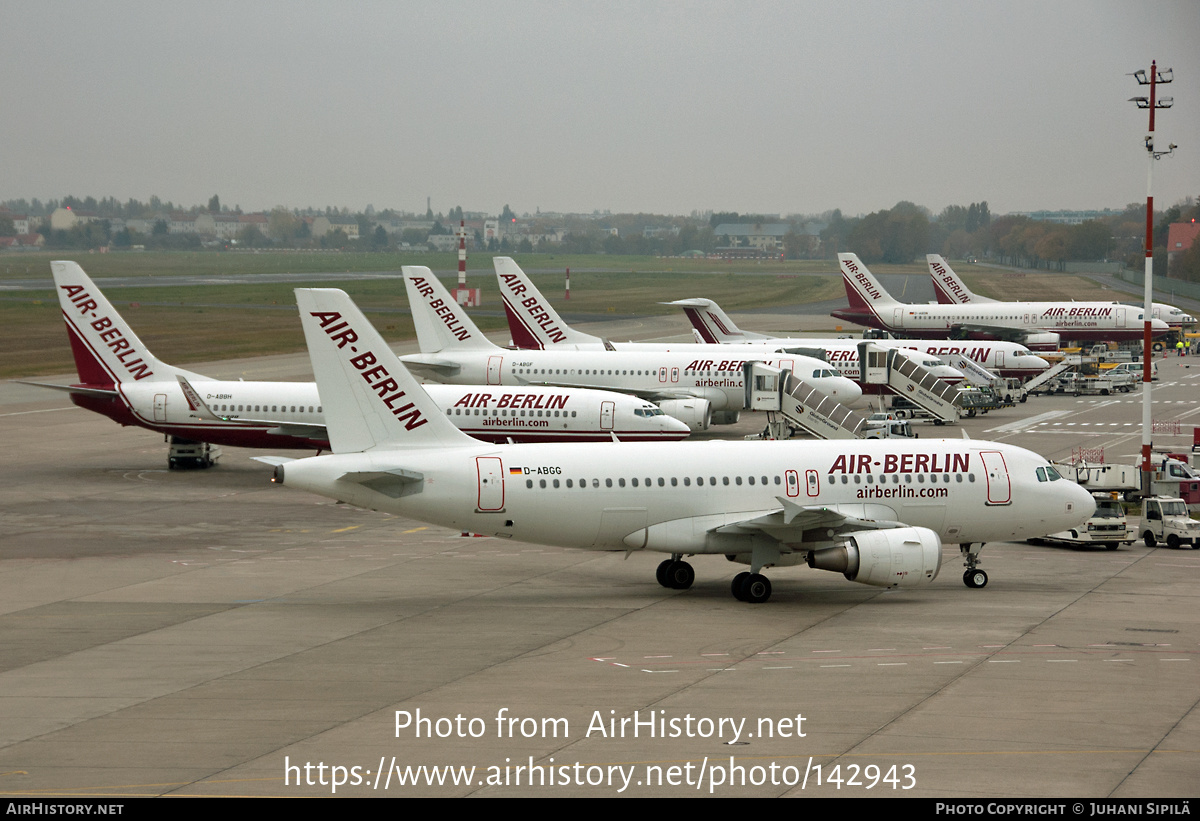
[1180,236]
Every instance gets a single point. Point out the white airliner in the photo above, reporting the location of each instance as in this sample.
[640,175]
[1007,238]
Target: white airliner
[876,511]
[1040,325]
[535,325]
[713,325]
[121,379]
[951,290]
[697,388]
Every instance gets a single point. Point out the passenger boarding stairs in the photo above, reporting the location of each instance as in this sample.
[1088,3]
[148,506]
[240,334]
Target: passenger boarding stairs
[904,377]
[1039,382]
[792,404]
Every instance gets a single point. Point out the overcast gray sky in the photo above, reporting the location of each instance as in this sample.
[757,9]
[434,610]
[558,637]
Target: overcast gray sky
[576,106]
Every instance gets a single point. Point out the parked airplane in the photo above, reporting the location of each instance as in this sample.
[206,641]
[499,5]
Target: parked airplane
[951,290]
[535,325]
[699,389]
[875,511]
[713,325]
[1040,325]
[121,379]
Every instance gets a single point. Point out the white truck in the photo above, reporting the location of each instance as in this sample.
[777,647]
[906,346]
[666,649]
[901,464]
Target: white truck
[1166,520]
[1108,526]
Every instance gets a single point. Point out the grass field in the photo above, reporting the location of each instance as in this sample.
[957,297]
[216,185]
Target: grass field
[187,323]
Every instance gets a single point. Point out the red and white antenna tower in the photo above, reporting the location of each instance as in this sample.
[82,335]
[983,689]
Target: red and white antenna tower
[1154,79]
[463,295]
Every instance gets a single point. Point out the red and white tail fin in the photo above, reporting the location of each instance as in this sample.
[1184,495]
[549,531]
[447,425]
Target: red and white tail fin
[949,288]
[862,289]
[370,399]
[107,351]
[440,322]
[712,324]
[532,321]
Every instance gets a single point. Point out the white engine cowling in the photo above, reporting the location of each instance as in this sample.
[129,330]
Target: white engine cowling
[1042,342]
[695,413]
[896,557]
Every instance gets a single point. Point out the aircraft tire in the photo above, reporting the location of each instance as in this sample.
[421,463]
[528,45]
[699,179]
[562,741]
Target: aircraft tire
[739,581]
[975,579]
[756,589]
[660,574]
[680,576]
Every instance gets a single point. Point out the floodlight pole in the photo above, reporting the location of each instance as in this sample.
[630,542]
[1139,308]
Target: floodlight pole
[1147,353]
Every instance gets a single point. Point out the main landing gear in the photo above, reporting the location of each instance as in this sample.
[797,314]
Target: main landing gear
[754,588]
[674,573]
[973,576]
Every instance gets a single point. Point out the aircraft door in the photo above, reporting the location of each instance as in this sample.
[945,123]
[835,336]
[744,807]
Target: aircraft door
[160,407]
[495,366]
[491,483]
[793,482]
[999,487]
[607,412]
[897,317]
[999,359]
[813,483]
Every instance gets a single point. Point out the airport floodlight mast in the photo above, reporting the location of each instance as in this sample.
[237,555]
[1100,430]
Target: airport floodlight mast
[1154,79]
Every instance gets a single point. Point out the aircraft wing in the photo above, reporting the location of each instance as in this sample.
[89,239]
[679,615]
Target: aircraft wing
[792,522]
[105,392]
[994,331]
[429,363]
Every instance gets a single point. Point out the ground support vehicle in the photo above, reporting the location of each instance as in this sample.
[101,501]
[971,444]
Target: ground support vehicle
[1108,526]
[185,453]
[1166,521]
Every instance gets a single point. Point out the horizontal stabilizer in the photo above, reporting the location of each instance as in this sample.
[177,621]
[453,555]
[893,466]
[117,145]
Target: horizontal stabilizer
[394,483]
[80,389]
[273,461]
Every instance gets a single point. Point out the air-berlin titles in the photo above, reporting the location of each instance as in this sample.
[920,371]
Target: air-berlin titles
[442,310]
[533,308]
[863,281]
[377,377]
[903,463]
[111,336]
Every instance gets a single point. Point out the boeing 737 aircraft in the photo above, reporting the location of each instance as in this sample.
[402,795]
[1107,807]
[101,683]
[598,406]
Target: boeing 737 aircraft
[875,511]
[951,290]
[697,389]
[713,325]
[535,325]
[1040,325]
[121,379]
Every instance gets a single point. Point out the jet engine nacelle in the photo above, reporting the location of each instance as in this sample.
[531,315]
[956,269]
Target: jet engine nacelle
[695,413]
[896,557]
[1042,342]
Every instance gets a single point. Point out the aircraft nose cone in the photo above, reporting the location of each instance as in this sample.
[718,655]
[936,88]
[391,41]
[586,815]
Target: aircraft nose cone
[1080,504]
[847,392]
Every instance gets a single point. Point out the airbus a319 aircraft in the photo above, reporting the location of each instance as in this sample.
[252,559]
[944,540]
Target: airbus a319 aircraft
[535,325]
[697,389]
[875,511]
[1040,325]
[951,290]
[120,378]
[714,326]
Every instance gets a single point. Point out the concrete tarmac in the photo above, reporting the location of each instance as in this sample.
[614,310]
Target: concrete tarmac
[208,633]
